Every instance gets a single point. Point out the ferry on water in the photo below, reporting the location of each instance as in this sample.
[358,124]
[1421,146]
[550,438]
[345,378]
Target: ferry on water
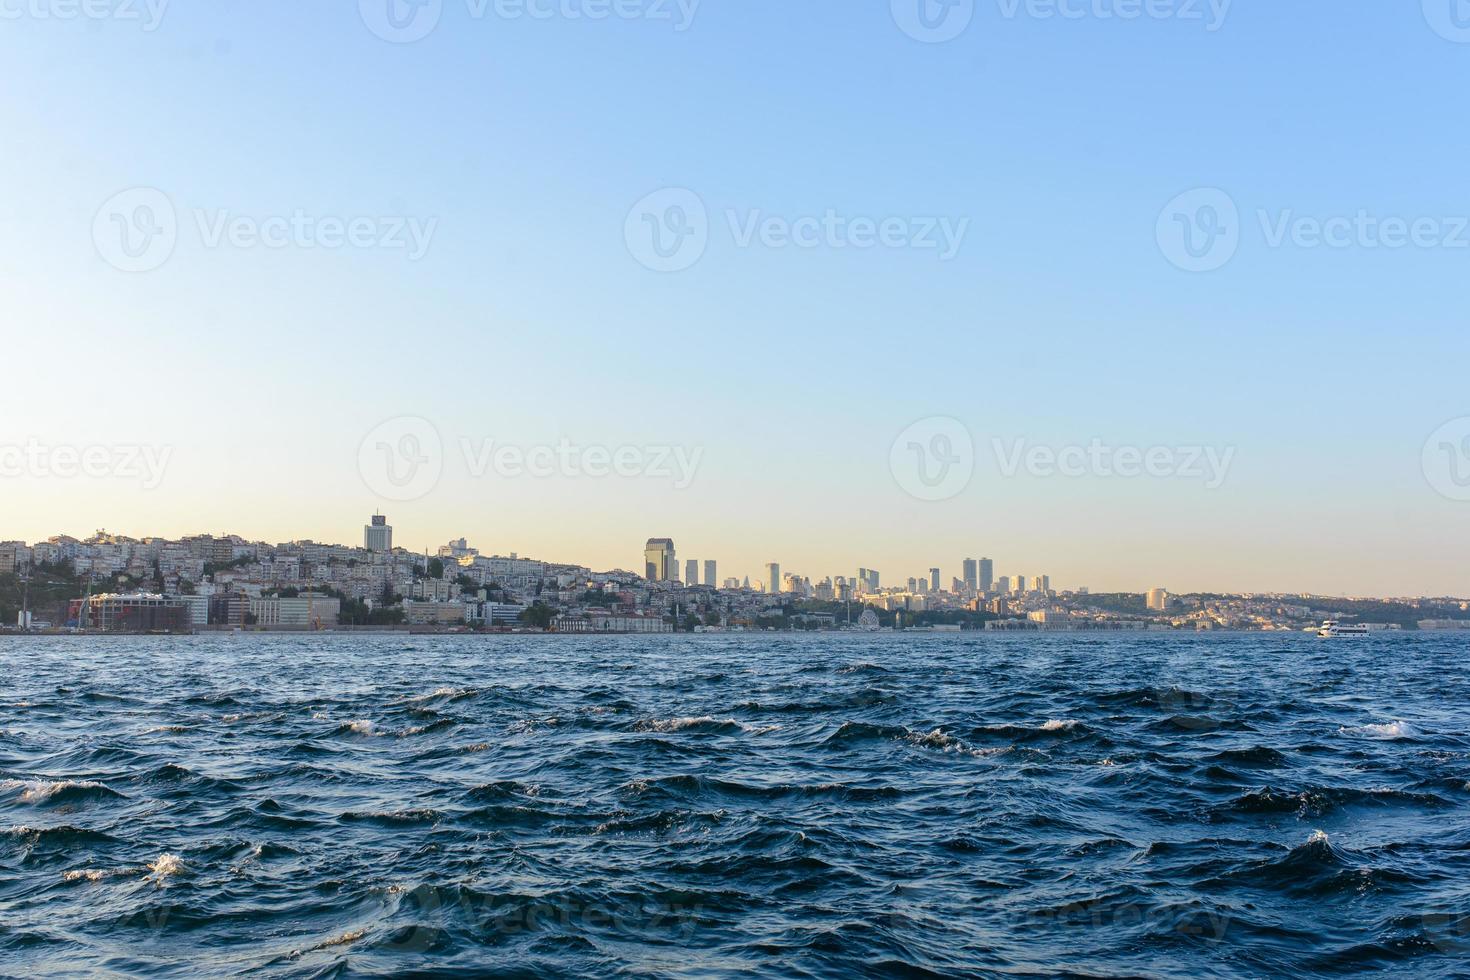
[1333,628]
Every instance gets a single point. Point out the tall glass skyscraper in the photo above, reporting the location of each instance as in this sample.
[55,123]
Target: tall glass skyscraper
[659,563]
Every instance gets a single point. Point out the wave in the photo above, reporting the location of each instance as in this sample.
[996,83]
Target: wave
[63,836]
[1256,757]
[689,787]
[1389,731]
[166,866]
[61,791]
[497,792]
[706,724]
[1051,729]
[443,724]
[1317,801]
[394,818]
[444,694]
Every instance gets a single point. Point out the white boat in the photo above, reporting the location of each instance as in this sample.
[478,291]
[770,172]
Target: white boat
[1333,628]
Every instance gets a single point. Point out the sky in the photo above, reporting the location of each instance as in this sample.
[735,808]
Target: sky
[1131,293]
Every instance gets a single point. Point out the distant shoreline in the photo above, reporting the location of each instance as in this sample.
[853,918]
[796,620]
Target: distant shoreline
[437,633]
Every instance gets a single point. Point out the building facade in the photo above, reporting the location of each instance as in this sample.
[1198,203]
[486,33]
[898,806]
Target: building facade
[659,563]
[377,537]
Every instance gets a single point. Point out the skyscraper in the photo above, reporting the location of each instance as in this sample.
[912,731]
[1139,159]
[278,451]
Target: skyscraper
[1158,600]
[691,572]
[987,574]
[378,536]
[933,580]
[659,560]
[709,575]
[971,574]
[773,577]
[1021,584]
[1003,586]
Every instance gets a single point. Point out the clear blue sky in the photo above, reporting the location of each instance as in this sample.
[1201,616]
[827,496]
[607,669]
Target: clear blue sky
[1059,322]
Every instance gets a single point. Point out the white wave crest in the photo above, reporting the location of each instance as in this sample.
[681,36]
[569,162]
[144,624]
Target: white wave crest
[666,725]
[166,865]
[938,739]
[86,874]
[37,791]
[1387,732]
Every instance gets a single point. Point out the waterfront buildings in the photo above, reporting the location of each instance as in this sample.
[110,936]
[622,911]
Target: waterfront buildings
[313,611]
[226,581]
[135,612]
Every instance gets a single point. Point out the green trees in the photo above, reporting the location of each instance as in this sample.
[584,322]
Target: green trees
[539,615]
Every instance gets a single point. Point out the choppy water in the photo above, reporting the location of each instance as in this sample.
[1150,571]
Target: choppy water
[981,805]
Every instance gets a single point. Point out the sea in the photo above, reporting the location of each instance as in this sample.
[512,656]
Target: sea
[723,805]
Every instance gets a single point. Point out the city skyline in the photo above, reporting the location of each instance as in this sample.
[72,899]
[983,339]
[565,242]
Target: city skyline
[378,535]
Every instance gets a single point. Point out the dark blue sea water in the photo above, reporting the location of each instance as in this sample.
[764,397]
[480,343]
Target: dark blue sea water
[826,806]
